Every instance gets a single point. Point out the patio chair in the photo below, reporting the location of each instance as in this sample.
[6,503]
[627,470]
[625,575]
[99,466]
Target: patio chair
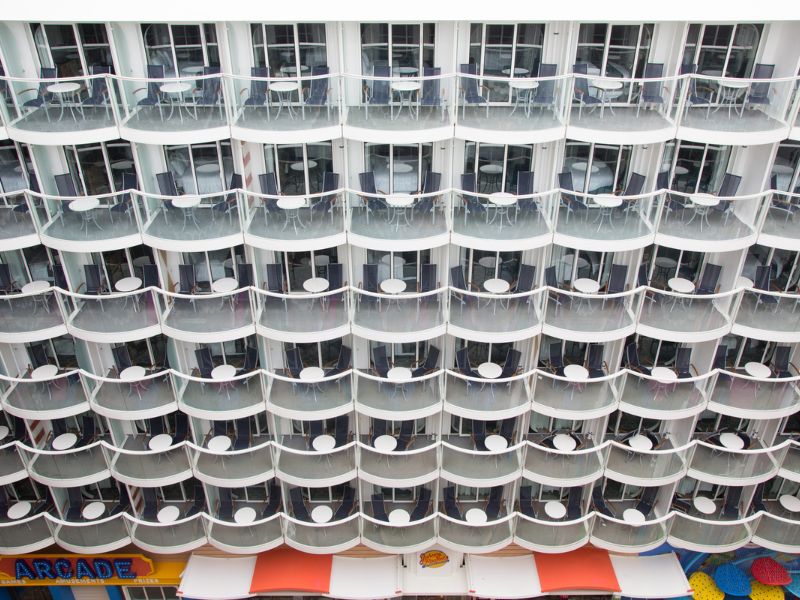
[342,363]
[758,94]
[187,283]
[780,362]
[274,503]
[763,282]
[43,97]
[698,95]
[451,508]
[153,89]
[646,501]
[381,92]
[7,283]
[124,205]
[423,504]
[560,300]
[269,187]
[651,90]
[319,89]
[464,368]
[429,365]
[525,188]
[709,281]
[380,362]
[294,364]
[632,360]
[205,362]
[335,272]
[581,89]
[88,431]
[123,501]
[595,364]
[599,503]
[511,365]
[728,188]
[167,187]
[406,437]
[348,504]
[683,364]
[432,90]
[258,94]
[379,508]
[470,90]
[38,355]
[93,281]
[210,93]
[122,359]
[250,363]
[526,282]
[757,503]
[730,508]
[65,185]
[181,427]
[369,283]
[472,204]
[428,282]
[574,501]
[226,205]
[495,503]
[380,427]
[99,96]
[199,502]
[570,201]
[641,281]
[479,435]
[427,204]
[341,430]
[225,504]
[325,204]
[526,501]
[74,504]
[634,188]
[374,205]
[150,508]
[544,96]
[721,362]
[457,281]
[299,510]
[616,282]
[507,429]
[243,434]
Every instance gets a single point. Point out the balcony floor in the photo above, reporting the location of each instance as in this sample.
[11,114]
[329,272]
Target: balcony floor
[753,395]
[399,466]
[618,225]
[624,118]
[196,315]
[122,396]
[277,227]
[513,314]
[13,225]
[75,229]
[501,119]
[782,316]
[525,225]
[328,395]
[589,315]
[648,394]
[47,395]
[476,466]
[777,224]
[150,466]
[92,118]
[645,466]
[561,395]
[684,224]
[10,462]
[691,316]
[70,465]
[719,119]
[182,119]
[302,316]
[178,224]
[236,466]
[397,315]
[418,395]
[262,118]
[380,118]
[718,463]
[218,397]
[488,398]
[23,315]
[313,467]
[554,466]
[114,315]
[380,227]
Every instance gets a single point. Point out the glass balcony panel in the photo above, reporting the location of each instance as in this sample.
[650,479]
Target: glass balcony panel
[173,105]
[108,534]
[25,535]
[690,532]
[287,103]
[590,313]
[134,462]
[617,534]
[517,312]
[404,216]
[48,398]
[301,399]
[86,218]
[129,398]
[714,463]
[663,464]
[769,311]
[398,538]
[737,393]
[302,313]
[168,537]
[334,536]
[487,398]
[645,396]
[400,313]
[254,463]
[790,467]
[319,216]
[210,215]
[461,463]
[685,313]
[220,399]
[12,468]
[62,105]
[418,463]
[558,396]
[296,461]
[546,465]
[207,313]
[708,217]
[420,396]
[607,217]
[489,215]
[550,536]
[777,533]
[246,538]
[475,537]
[30,312]
[513,104]
[410,101]
[16,217]
[61,468]
[113,313]
[779,220]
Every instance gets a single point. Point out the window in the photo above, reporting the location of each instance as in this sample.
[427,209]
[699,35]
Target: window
[14,162]
[696,168]
[150,593]
[607,166]
[180,48]
[784,175]
[480,265]
[402,355]
[398,168]
[318,354]
[620,423]
[231,352]
[98,168]
[728,50]
[571,264]
[484,160]
[297,267]
[785,265]
[212,265]
[481,352]
[289,49]
[399,265]
[73,49]
[407,48]
[200,168]
[299,168]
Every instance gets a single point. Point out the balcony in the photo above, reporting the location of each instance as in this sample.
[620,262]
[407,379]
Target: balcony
[390,538]
[508,110]
[662,465]
[719,465]
[135,464]
[508,221]
[105,222]
[17,228]
[726,110]
[383,399]
[779,229]
[215,317]
[647,397]
[614,110]
[416,108]
[398,318]
[11,466]
[284,109]
[618,535]
[684,318]
[310,400]
[183,535]
[770,316]
[151,396]
[259,536]
[30,534]
[325,538]
[463,465]
[790,468]
[705,222]
[220,399]
[552,537]
[402,221]
[98,536]
[302,317]
[410,468]
[562,398]
[307,223]
[173,110]
[192,222]
[704,535]
[549,466]
[487,399]
[296,465]
[777,533]
[31,316]
[746,397]
[600,317]
[235,468]
[113,318]
[62,110]
[61,396]
[476,538]
[67,468]
[519,317]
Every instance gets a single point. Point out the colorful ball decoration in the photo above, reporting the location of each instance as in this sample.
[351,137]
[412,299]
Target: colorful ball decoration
[704,588]
[762,591]
[769,571]
[732,580]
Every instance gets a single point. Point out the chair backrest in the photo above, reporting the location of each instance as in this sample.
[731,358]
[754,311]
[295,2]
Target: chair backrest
[65,185]
[378,507]
[431,88]
[469,84]
[581,83]
[781,360]
[730,509]
[720,357]
[759,90]
[616,281]
[469,182]
[298,504]
[595,357]
[205,362]
[275,278]
[635,185]
[370,278]
[38,355]
[6,280]
[450,506]
[652,89]
[574,502]
[512,362]
[181,426]
[380,360]
[166,184]
[250,358]
[457,278]
[341,430]
[423,504]
[632,355]
[367,182]
[432,359]
[121,357]
[763,278]
[379,428]
[565,183]
[318,93]
[433,182]
[545,93]
[730,185]
[211,86]
[507,429]
[710,278]
[268,183]
[153,87]
[150,276]
[648,498]
[683,360]
[524,183]
[556,358]
[495,502]
[526,280]
[99,85]
[550,279]
[599,502]
[462,361]
[345,354]
[94,281]
[641,275]
[381,87]
[188,279]
[428,274]
[244,274]
[258,89]
[662,180]
[155,426]
[330,182]
[335,276]
[294,362]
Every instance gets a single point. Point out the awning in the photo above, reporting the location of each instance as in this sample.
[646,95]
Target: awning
[650,576]
[365,578]
[210,578]
[583,569]
[289,570]
[506,577]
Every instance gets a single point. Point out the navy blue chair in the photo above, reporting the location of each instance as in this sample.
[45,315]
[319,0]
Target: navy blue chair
[319,89]
[324,205]
[759,91]
[259,88]
[572,202]
[581,89]
[545,94]
[471,89]
[651,90]
[599,503]
[153,89]
[299,509]
[423,505]
[381,94]
[698,95]
[269,187]
[472,205]
[348,504]
[526,501]
[451,508]
[379,508]
[367,182]
[99,96]
[432,90]
[43,97]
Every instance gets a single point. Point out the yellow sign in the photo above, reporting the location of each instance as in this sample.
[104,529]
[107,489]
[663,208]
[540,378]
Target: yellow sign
[73,569]
[433,559]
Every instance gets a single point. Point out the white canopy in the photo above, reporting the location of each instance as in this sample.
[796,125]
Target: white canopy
[365,578]
[659,576]
[505,577]
[210,578]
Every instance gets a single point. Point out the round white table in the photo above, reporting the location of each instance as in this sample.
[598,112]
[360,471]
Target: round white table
[168,514]
[401,168]
[582,165]
[487,262]
[475,516]
[62,89]
[44,372]
[756,369]
[4,431]
[315,285]
[681,285]
[35,287]
[134,373]
[790,503]
[503,201]
[631,515]
[607,200]
[704,505]
[393,286]
[555,510]
[175,91]
[207,169]
[128,284]
[490,370]
[65,441]
[121,165]
[399,517]
[186,201]
[84,206]
[640,442]
[19,510]
[219,443]
[744,282]
[400,202]
[285,89]
[665,264]
[223,372]
[664,375]
[385,443]
[323,443]
[321,514]
[226,284]
[564,442]
[300,166]
[731,441]
[516,71]
[495,443]
[576,373]
[524,88]
[162,441]
[585,285]
[496,286]
[680,170]
[605,86]
[405,70]
[311,374]
[245,515]
[93,510]
[398,374]
[291,203]
[406,89]
[491,169]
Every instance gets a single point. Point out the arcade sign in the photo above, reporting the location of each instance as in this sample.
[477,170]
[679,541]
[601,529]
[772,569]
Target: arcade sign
[70,569]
